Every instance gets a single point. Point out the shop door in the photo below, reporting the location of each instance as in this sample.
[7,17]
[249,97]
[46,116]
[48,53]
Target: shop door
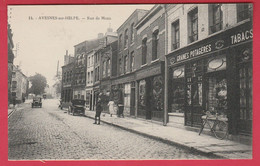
[194,105]
[245,102]
[132,102]
[157,98]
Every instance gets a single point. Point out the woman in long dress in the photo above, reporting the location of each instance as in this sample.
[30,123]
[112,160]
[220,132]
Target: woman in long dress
[111,106]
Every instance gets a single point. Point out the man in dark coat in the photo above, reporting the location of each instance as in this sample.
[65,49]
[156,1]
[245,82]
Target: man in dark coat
[98,111]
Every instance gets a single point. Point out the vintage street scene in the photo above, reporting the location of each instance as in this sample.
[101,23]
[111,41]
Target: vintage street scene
[130,82]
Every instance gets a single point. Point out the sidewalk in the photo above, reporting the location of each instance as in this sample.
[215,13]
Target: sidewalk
[204,144]
[11,108]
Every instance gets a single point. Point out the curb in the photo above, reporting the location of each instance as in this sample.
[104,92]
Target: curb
[170,142]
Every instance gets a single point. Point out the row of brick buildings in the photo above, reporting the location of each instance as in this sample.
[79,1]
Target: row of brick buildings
[17,82]
[170,63]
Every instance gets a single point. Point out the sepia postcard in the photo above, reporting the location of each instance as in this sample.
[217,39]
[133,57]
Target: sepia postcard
[130,81]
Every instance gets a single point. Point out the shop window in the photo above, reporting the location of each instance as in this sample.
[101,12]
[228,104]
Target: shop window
[178,86]
[157,97]
[217,94]
[193,25]
[155,40]
[175,35]
[244,11]
[142,93]
[217,85]
[144,51]
[215,17]
[245,84]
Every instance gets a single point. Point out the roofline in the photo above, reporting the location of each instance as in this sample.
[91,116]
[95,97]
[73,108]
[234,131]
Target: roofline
[129,18]
[146,16]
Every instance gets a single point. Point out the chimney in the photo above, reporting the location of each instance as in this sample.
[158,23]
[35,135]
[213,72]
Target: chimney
[100,35]
[66,58]
[109,29]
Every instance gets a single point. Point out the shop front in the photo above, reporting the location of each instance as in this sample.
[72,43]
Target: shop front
[214,74]
[150,82]
[125,86]
[105,88]
[89,99]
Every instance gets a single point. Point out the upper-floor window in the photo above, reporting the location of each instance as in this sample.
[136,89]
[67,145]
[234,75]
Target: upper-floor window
[91,76]
[193,25]
[126,38]
[132,61]
[13,74]
[155,40]
[120,42]
[175,35]
[132,36]
[14,84]
[104,68]
[244,11]
[144,51]
[125,63]
[88,77]
[120,66]
[89,60]
[215,17]
[108,67]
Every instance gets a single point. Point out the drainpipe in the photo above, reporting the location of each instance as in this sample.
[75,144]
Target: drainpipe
[165,117]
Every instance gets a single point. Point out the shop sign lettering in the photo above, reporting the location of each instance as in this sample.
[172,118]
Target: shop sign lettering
[193,53]
[223,42]
[241,36]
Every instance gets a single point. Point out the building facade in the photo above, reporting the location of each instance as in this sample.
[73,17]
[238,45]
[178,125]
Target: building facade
[108,66]
[124,82]
[209,63]
[10,62]
[67,80]
[20,85]
[150,53]
[90,80]
[80,65]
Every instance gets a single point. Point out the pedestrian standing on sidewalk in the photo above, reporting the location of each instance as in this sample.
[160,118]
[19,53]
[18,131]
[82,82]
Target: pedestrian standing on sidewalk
[121,110]
[14,101]
[98,111]
[111,105]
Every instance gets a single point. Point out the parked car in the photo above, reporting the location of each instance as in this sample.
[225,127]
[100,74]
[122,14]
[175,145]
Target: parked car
[37,102]
[77,106]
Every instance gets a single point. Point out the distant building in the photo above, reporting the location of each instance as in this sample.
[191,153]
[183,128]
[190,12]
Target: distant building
[20,84]
[67,78]
[10,61]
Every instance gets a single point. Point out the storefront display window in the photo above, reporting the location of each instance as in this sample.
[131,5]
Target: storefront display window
[158,93]
[178,95]
[142,92]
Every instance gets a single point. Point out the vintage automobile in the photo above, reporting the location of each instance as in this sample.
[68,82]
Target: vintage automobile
[77,106]
[37,102]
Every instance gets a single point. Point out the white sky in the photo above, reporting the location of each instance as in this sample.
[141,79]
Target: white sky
[42,43]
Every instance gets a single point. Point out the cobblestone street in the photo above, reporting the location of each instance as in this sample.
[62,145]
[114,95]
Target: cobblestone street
[50,133]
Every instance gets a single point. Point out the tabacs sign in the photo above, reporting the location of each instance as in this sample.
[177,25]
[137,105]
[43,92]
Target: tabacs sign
[234,39]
